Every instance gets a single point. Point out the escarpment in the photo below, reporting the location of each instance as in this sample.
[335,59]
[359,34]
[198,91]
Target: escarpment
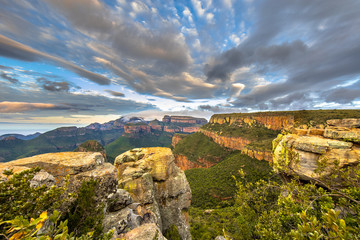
[144,194]
[313,153]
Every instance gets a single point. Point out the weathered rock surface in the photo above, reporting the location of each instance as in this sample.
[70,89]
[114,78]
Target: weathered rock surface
[237,143]
[148,231]
[184,163]
[152,179]
[302,152]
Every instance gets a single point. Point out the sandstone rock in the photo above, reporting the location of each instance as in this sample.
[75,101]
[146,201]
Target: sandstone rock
[42,178]
[152,179]
[119,200]
[145,232]
[352,135]
[347,122]
[302,155]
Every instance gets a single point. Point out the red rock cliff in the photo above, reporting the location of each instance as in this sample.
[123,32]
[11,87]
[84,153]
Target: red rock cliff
[184,163]
[238,143]
[176,139]
[131,129]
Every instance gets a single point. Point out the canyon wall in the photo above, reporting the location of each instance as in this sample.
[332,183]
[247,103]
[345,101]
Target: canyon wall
[237,143]
[134,129]
[185,164]
[183,119]
[271,121]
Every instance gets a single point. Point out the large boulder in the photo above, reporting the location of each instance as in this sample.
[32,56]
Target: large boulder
[312,155]
[152,179]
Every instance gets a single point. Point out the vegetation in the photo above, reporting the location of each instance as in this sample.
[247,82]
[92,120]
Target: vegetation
[25,208]
[303,116]
[197,145]
[58,140]
[172,233]
[216,187]
[125,143]
[90,146]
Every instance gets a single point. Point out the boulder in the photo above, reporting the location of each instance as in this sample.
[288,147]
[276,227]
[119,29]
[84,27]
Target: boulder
[347,122]
[152,179]
[148,231]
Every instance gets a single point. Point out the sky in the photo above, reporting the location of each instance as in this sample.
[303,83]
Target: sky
[78,62]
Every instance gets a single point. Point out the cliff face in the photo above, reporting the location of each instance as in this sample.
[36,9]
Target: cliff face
[152,179]
[303,151]
[144,195]
[276,122]
[185,164]
[238,143]
[176,139]
[183,119]
[135,129]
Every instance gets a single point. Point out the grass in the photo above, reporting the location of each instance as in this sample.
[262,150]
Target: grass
[197,145]
[210,186]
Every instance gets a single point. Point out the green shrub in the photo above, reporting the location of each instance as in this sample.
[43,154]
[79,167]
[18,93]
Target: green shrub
[172,233]
[85,215]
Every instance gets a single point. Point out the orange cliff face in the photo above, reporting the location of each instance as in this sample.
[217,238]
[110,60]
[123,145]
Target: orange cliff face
[185,164]
[237,143]
[274,122]
[176,139]
[131,129]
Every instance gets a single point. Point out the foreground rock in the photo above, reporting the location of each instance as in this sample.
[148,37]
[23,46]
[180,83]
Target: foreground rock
[314,154]
[152,179]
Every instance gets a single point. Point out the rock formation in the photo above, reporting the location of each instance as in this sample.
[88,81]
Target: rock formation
[136,128]
[303,151]
[183,119]
[152,179]
[272,121]
[91,146]
[185,164]
[144,195]
[176,139]
[237,143]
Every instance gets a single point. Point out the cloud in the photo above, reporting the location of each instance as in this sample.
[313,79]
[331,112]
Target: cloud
[12,49]
[68,103]
[9,78]
[6,67]
[53,86]
[115,93]
[300,48]
[17,107]
[163,45]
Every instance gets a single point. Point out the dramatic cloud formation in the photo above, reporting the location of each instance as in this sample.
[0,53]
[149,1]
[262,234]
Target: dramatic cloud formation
[15,107]
[197,56]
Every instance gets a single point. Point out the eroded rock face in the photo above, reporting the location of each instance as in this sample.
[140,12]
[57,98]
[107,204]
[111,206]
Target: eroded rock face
[302,152]
[152,179]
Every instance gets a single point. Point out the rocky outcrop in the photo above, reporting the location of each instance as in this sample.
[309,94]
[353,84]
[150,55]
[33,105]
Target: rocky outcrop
[183,119]
[152,179]
[310,154]
[91,146]
[272,121]
[144,195]
[136,128]
[185,164]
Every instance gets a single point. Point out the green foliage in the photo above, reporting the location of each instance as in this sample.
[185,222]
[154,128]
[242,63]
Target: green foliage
[172,233]
[21,228]
[303,116]
[216,186]
[197,145]
[58,140]
[85,215]
[125,143]
[208,224]
[297,210]
[18,198]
